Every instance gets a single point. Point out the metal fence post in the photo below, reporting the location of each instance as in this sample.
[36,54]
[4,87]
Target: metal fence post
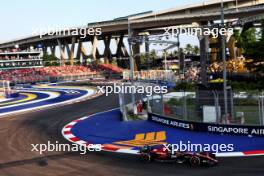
[184,106]
[259,109]
[262,108]
[216,100]
[123,106]
[232,104]
[162,104]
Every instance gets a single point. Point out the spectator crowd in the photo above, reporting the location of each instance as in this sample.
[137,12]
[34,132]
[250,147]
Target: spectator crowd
[31,75]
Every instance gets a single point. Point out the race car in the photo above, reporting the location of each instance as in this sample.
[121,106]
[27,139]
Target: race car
[161,154]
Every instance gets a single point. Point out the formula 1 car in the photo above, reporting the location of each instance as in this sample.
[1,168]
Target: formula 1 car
[161,154]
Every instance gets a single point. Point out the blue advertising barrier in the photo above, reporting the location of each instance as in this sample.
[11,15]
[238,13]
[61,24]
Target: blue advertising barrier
[208,127]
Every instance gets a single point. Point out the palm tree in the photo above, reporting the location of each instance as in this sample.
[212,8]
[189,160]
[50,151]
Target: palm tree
[153,54]
[165,53]
[175,54]
[189,49]
[196,50]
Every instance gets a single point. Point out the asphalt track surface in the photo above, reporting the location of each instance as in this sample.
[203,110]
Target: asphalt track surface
[18,132]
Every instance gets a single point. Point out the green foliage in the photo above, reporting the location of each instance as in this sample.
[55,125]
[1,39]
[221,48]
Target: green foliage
[50,60]
[175,53]
[262,31]
[153,54]
[174,102]
[143,58]
[165,54]
[238,38]
[249,36]
[247,86]
[185,86]
[190,101]
[245,102]
[190,49]
[196,50]
[254,49]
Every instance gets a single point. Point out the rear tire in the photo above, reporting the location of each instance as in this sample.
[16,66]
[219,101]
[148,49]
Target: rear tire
[195,161]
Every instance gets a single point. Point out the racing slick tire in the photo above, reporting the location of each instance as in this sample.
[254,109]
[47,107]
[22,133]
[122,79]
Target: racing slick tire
[195,161]
[145,157]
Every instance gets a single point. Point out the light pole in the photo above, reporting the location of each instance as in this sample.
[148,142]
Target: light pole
[224,60]
[131,60]
[165,60]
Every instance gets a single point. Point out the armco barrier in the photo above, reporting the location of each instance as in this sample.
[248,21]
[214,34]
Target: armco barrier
[208,127]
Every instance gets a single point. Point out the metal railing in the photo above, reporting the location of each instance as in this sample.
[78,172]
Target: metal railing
[37,79]
[244,108]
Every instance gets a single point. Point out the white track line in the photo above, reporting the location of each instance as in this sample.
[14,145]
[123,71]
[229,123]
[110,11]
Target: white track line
[90,93]
[51,96]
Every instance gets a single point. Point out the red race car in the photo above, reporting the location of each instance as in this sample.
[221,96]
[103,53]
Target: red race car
[161,154]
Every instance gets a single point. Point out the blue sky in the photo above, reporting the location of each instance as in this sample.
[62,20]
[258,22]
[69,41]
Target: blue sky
[21,17]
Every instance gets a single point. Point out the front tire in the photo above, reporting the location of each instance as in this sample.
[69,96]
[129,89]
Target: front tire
[146,157]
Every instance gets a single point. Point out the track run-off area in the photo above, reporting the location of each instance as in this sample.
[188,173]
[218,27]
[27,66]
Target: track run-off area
[37,126]
[128,137]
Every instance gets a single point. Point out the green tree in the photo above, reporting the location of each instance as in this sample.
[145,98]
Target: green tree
[50,60]
[254,49]
[165,53]
[248,35]
[143,58]
[196,50]
[175,53]
[153,54]
[189,49]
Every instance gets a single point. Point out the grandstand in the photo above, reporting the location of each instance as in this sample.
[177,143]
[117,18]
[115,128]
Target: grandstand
[18,66]
[32,75]
[20,59]
[55,73]
[106,68]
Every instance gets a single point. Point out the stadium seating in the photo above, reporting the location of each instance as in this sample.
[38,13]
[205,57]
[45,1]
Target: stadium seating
[106,68]
[30,75]
[41,74]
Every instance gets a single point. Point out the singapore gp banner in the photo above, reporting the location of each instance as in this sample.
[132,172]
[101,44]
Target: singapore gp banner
[208,127]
